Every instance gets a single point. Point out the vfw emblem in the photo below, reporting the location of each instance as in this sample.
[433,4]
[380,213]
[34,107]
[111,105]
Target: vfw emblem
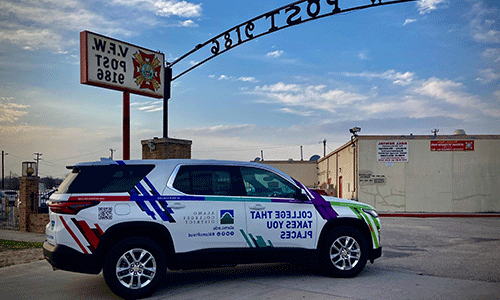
[147,70]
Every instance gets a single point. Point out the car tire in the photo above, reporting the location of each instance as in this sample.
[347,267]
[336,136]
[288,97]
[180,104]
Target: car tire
[344,252]
[134,267]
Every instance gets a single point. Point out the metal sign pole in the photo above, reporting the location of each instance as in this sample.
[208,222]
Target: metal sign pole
[166,97]
[126,125]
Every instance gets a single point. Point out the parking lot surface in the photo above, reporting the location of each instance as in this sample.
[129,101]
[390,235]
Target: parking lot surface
[424,258]
[462,248]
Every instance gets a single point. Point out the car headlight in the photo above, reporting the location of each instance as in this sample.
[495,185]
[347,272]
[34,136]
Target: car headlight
[371,212]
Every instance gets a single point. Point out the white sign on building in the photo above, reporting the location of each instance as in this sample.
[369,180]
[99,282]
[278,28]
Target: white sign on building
[392,151]
[109,63]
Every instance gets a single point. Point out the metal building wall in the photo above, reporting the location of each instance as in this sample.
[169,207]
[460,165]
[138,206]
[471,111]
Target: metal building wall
[432,181]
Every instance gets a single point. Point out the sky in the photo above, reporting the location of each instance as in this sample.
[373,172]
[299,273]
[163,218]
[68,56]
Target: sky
[390,70]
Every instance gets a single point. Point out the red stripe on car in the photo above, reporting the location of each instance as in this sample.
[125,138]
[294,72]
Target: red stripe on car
[99,198]
[73,235]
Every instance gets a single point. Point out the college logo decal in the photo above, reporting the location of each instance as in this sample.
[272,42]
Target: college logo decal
[227,216]
[147,70]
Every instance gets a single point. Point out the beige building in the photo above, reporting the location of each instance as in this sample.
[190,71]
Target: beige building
[453,173]
[305,172]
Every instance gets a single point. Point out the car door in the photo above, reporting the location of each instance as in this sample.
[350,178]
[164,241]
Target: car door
[210,213]
[276,216]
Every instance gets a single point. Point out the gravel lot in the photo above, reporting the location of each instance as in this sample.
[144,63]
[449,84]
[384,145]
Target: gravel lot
[15,257]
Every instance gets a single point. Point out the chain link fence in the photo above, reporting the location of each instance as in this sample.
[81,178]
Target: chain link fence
[11,216]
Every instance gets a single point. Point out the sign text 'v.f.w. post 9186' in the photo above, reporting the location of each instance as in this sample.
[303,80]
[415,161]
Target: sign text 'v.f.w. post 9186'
[109,63]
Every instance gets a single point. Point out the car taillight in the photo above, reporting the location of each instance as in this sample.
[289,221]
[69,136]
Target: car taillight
[70,207]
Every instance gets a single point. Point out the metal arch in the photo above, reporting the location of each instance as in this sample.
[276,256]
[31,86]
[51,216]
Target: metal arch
[313,10]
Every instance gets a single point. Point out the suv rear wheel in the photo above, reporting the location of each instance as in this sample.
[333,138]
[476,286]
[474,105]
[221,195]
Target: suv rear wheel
[344,253]
[134,267]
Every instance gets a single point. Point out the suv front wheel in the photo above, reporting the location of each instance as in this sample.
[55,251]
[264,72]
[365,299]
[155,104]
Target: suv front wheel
[134,268]
[344,253]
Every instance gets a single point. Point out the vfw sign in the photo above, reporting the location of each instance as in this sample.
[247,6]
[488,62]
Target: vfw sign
[109,63]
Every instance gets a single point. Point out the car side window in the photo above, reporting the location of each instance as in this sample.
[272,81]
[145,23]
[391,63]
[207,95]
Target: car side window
[262,183]
[207,180]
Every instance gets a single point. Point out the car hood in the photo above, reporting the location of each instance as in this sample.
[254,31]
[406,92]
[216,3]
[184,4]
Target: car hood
[346,202]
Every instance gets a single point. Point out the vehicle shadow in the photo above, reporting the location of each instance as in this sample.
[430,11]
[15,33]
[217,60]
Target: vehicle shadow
[177,282]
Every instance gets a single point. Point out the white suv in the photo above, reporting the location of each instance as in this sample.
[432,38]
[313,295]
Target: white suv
[135,219]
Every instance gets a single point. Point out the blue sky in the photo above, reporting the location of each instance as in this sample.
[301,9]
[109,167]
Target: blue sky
[391,70]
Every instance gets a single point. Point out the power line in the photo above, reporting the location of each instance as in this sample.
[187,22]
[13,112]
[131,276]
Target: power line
[250,148]
[81,155]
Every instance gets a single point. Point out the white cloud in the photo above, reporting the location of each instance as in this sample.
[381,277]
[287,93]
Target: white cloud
[396,77]
[487,76]
[47,24]
[177,8]
[364,55]
[427,6]
[164,8]
[307,97]
[275,54]
[483,28]
[248,79]
[488,36]
[452,93]
[148,106]
[12,112]
[492,54]
[295,112]
[232,78]
[188,23]
[497,95]
[446,90]
[279,87]
[411,108]
[409,21]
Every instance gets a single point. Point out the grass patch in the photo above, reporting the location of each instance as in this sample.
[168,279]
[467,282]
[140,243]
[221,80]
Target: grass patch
[16,245]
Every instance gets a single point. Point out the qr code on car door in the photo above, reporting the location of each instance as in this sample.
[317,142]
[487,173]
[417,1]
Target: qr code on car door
[105,213]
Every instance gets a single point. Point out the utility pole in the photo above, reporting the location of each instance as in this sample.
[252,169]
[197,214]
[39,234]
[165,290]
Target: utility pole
[3,169]
[324,147]
[37,161]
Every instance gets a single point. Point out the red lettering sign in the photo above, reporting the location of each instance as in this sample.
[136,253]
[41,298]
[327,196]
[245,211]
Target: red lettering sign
[452,145]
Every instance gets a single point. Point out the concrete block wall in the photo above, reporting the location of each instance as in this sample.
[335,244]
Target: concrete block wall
[166,148]
[37,222]
[28,200]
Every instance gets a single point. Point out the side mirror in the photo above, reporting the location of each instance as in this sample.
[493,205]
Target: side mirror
[303,195]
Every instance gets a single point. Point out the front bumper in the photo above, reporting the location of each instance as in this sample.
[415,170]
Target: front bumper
[376,253]
[67,259]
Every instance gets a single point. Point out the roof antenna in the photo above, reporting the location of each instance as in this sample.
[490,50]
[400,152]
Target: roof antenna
[435,131]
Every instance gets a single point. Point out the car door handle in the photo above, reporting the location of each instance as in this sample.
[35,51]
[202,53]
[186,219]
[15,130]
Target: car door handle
[258,207]
[177,206]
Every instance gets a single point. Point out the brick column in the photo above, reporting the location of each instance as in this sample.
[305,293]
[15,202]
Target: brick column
[28,200]
[166,148]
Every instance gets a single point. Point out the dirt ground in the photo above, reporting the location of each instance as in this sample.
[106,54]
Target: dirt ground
[15,257]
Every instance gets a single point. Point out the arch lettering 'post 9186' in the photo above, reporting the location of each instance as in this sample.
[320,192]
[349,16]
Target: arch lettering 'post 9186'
[286,16]
[294,13]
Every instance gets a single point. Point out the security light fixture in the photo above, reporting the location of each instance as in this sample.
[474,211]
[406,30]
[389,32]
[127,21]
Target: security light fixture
[355,130]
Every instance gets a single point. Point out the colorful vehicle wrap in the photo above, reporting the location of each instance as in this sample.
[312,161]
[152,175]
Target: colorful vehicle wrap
[190,207]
